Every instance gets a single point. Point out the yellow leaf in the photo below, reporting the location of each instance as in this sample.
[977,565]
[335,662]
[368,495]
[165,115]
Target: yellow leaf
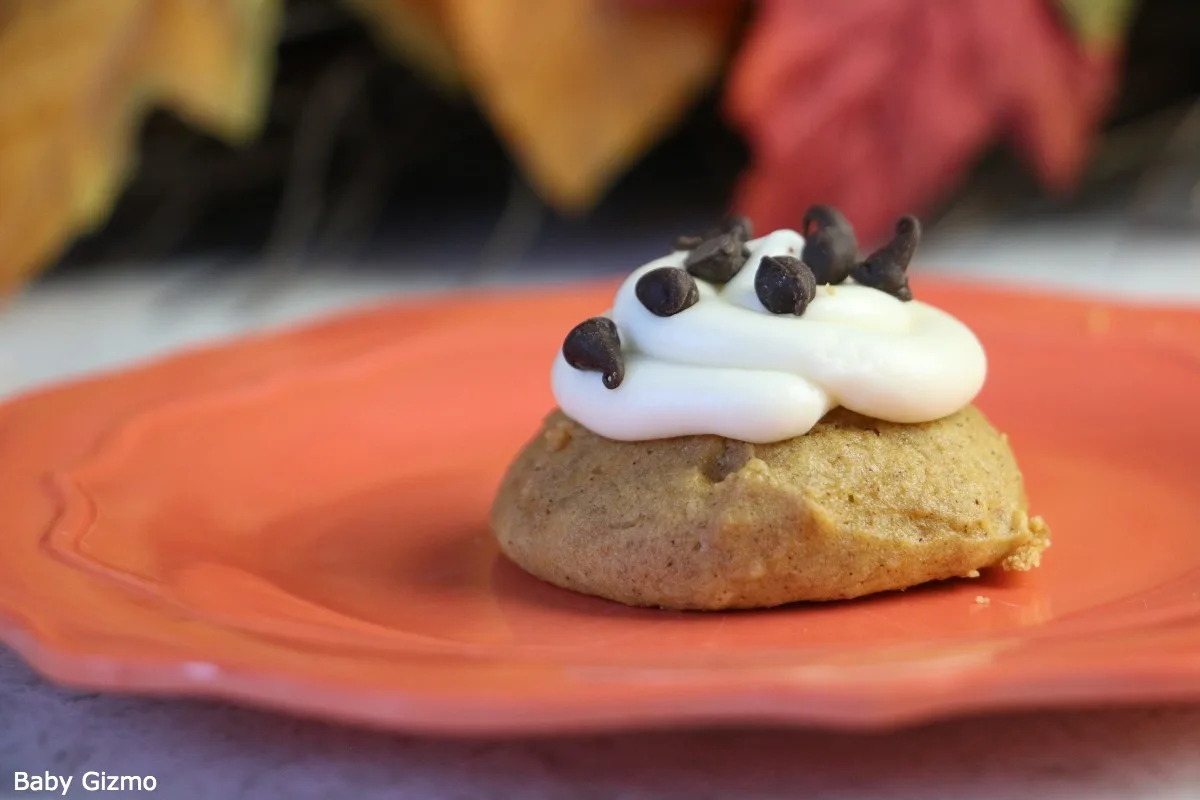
[76,79]
[416,31]
[1099,24]
[580,88]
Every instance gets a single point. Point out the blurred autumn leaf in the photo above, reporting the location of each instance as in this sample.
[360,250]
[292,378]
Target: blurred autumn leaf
[1099,24]
[416,30]
[580,88]
[888,126]
[76,79]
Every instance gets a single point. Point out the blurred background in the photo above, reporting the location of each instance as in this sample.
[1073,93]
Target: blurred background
[177,170]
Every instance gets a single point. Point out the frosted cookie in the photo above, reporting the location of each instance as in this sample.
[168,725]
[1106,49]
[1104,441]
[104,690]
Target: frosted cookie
[762,421]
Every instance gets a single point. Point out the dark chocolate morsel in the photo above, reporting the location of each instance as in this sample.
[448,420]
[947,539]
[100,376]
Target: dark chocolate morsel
[887,268]
[830,247]
[830,253]
[784,285]
[738,227]
[906,239]
[718,259]
[823,216]
[595,345]
[666,291]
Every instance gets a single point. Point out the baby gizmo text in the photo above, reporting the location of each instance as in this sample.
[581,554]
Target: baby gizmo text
[88,781]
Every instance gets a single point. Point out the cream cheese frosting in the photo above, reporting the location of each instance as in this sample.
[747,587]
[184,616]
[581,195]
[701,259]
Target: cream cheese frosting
[727,366]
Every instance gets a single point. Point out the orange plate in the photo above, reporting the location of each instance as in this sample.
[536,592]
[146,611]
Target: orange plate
[298,521]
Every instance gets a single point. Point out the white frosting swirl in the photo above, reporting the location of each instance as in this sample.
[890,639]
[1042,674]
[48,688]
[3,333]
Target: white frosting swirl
[729,367]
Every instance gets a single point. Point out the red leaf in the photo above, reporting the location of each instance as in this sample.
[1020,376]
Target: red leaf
[878,106]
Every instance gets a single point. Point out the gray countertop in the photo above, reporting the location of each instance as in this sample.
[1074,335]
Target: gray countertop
[205,750]
[76,325]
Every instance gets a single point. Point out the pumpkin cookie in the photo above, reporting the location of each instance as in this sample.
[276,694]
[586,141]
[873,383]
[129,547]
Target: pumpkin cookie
[743,430]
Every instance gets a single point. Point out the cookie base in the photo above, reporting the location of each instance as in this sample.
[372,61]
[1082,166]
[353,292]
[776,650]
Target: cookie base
[854,507]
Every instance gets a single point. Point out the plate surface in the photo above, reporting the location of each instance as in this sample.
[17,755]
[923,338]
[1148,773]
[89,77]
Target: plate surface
[299,521]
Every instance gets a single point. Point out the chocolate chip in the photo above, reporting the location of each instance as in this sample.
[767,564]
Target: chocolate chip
[887,268]
[830,247]
[666,291]
[739,227]
[784,285]
[595,345]
[718,259]
[823,216]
